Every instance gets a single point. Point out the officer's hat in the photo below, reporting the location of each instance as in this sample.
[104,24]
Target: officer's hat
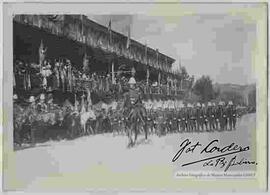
[209,104]
[132,80]
[31,99]
[15,97]
[203,105]
[42,97]
[220,103]
[198,104]
[230,103]
[189,105]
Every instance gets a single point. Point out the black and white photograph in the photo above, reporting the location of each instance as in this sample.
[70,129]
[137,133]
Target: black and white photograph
[137,100]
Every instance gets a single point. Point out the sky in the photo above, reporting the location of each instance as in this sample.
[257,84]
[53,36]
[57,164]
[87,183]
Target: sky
[212,43]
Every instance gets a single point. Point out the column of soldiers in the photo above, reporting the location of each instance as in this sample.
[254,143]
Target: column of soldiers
[191,117]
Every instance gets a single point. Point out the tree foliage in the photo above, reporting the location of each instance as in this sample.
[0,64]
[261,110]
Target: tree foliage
[203,88]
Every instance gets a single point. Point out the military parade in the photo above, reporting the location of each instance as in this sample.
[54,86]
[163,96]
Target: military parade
[55,98]
[158,117]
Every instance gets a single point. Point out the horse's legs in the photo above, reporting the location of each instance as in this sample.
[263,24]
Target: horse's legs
[145,130]
[136,132]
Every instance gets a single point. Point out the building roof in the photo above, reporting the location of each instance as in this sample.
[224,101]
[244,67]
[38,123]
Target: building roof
[84,30]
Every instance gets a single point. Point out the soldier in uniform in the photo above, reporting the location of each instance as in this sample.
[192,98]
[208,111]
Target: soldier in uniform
[205,121]
[231,113]
[185,118]
[210,116]
[161,120]
[198,115]
[221,115]
[224,116]
[175,120]
[214,112]
[189,117]
[134,109]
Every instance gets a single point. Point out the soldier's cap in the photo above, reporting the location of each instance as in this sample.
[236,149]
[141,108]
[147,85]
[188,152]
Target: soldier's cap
[230,103]
[132,80]
[198,104]
[203,105]
[213,104]
[220,104]
[42,96]
[209,104]
[15,96]
[31,99]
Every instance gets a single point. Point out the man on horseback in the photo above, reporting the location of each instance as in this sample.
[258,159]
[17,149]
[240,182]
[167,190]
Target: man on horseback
[134,111]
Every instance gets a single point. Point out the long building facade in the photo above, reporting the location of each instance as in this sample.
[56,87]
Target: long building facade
[76,36]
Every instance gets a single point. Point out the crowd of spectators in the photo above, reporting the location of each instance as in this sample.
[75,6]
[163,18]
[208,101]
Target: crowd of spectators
[61,75]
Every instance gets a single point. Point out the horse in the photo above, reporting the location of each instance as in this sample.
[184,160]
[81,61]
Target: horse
[134,119]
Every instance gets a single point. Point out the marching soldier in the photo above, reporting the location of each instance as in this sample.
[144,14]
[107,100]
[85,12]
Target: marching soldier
[224,116]
[210,115]
[214,107]
[199,117]
[185,118]
[205,121]
[221,115]
[175,120]
[231,112]
[189,117]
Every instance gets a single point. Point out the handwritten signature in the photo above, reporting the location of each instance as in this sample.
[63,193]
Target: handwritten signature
[219,159]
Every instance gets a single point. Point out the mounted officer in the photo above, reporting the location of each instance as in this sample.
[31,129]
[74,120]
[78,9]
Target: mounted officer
[134,110]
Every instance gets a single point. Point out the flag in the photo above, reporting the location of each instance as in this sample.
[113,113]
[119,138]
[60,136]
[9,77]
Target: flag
[128,38]
[145,53]
[166,64]
[82,30]
[110,31]
[157,64]
[179,63]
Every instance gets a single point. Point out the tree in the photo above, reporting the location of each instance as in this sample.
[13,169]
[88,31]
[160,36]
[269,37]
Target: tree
[184,73]
[203,87]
